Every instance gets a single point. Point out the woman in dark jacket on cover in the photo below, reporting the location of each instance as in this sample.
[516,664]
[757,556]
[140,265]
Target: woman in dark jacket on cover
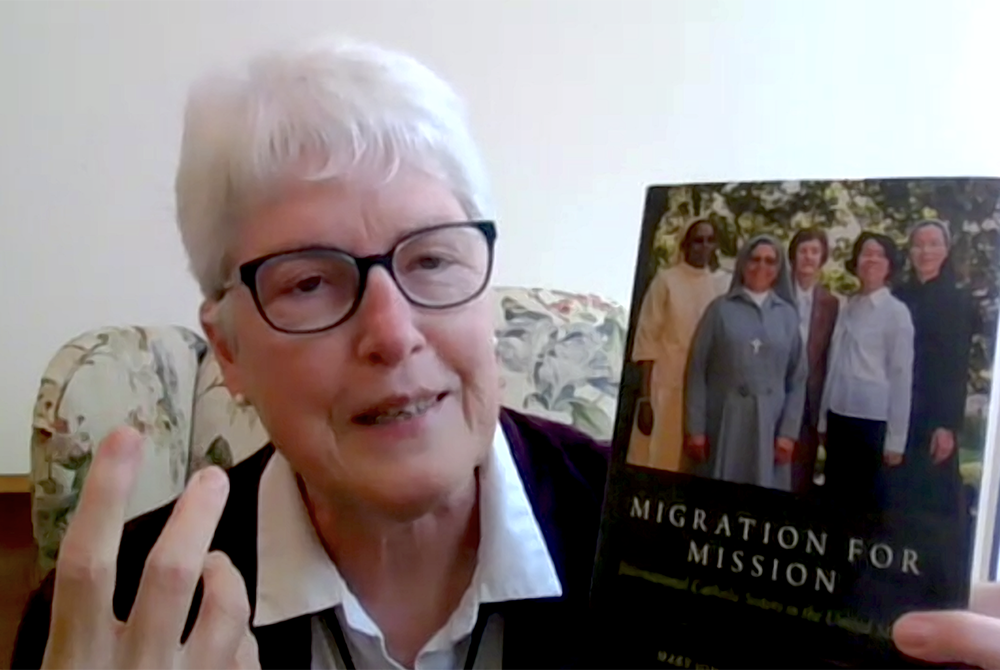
[332,206]
[944,319]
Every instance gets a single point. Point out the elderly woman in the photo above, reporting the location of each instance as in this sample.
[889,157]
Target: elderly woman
[334,210]
[746,380]
[332,205]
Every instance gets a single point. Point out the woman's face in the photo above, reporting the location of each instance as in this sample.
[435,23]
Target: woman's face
[761,269]
[701,244]
[808,259]
[873,266]
[395,407]
[928,251]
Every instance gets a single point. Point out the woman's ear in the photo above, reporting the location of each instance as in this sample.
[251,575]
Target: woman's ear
[222,340]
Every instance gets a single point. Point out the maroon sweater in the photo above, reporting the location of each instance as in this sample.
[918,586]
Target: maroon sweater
[564,474]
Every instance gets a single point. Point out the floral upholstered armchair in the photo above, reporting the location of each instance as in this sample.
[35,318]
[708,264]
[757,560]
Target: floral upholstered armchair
[561,358]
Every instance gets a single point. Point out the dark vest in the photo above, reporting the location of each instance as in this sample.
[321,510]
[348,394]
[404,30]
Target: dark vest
[564,474]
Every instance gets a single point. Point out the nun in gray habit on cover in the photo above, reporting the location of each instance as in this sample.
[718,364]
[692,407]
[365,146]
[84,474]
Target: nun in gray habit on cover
[746,377]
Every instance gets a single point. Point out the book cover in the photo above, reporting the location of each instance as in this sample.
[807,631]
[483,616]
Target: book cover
[801,436]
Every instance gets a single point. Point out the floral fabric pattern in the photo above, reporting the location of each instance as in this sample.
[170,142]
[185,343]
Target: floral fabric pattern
[561,356]
[142,377]
[225,431]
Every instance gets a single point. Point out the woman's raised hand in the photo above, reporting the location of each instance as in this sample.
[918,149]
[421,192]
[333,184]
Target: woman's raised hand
[84,631]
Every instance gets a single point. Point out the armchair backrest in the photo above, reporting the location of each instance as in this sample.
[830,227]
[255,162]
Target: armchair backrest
[560,356]
[98,381]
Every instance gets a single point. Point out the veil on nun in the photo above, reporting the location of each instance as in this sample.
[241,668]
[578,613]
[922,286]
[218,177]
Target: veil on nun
[783,283]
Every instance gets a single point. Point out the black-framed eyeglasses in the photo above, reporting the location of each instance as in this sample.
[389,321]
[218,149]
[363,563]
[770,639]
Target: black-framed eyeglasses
[317,288]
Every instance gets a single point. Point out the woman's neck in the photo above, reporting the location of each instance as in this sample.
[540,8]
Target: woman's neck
[805,282]
[924,278]
[409,575]
[695,268]
[868,290]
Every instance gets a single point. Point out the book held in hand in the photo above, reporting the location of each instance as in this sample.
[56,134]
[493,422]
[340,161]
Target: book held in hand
[801,450]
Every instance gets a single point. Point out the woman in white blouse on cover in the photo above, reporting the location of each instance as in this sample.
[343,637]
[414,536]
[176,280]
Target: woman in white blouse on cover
[865,411]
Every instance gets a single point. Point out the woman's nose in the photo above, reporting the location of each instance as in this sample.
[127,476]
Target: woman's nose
[388,332]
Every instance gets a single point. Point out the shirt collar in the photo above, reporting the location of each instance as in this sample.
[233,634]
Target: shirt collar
[760,299]
[295,576]
[876,298]
[804,294]
[687,267]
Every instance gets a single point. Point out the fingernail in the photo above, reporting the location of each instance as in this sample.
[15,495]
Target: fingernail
[214,479]
[912,632]
[126,445]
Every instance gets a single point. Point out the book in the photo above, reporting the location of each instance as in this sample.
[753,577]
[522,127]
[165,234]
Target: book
[801,449]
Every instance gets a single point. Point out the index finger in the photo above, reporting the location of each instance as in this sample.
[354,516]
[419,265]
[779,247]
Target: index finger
[88,553]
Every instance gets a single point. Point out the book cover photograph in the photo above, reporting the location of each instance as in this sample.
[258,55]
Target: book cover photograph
[801,443]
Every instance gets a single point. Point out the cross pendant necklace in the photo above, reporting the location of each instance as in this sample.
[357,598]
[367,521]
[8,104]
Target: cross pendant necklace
[756,344]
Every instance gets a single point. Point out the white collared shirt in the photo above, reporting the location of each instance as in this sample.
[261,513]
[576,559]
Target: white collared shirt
[805,305]
[295,575]
[871,365]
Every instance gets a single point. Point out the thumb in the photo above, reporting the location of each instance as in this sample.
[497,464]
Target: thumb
[950,637]
[247,654]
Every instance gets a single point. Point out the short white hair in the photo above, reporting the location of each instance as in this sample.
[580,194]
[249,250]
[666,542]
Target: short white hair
[331,107]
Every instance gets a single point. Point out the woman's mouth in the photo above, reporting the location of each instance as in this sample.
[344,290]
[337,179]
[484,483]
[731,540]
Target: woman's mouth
[398,410]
